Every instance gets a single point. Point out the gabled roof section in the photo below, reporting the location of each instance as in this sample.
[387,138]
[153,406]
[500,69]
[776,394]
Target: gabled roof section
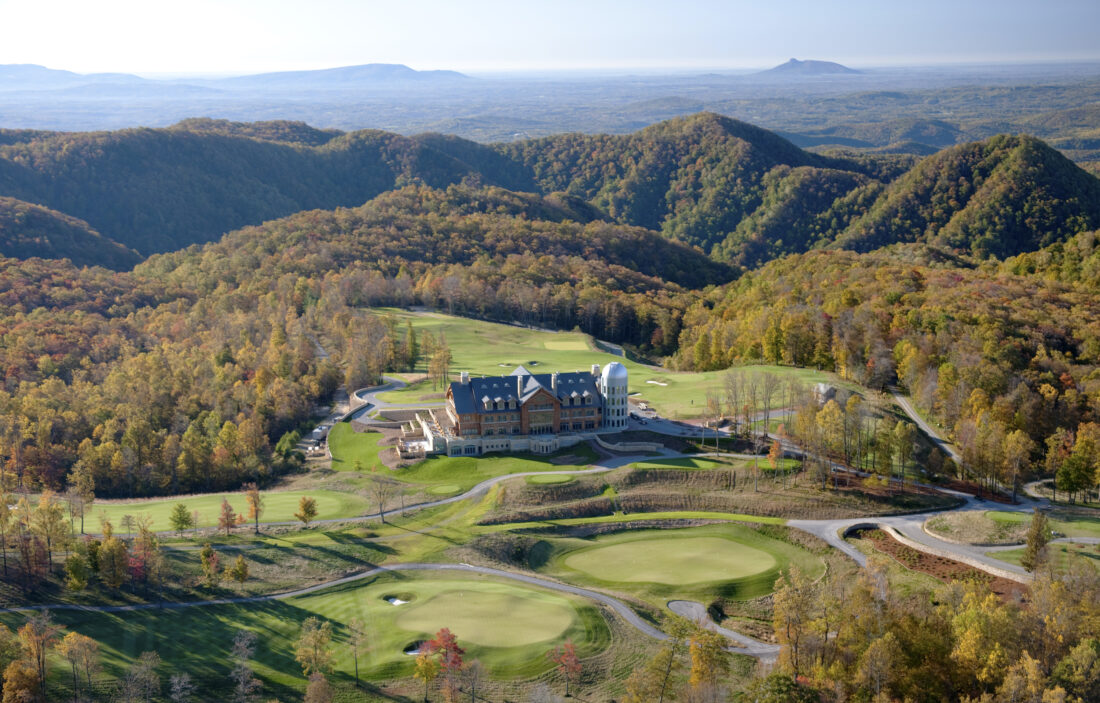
[520,371]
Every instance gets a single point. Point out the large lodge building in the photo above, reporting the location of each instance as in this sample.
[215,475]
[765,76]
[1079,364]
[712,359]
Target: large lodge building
[534,412]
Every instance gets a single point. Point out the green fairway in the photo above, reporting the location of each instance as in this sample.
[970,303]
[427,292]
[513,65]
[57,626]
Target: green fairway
[682,560]
[278,506]
[492,349]
[1064,522]
[349,447]
[508,626]
[466,472]
[697,563]
[490,618]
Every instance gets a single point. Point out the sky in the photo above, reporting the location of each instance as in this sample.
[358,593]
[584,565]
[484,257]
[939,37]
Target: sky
[214,37]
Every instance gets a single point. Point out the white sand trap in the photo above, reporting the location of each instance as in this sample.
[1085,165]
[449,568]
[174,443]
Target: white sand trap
[657,383]
[392,600]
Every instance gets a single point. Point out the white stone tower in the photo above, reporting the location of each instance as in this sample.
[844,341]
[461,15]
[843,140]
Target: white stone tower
[613,383]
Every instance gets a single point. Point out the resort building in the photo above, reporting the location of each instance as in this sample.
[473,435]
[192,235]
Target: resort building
[524,411]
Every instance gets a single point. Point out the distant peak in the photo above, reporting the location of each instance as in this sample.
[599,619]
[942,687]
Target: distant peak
[809,67]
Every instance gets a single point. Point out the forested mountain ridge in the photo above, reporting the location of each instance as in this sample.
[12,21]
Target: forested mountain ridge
[694,178]
[162,189]
[999,197]
[28,230]
[740,193]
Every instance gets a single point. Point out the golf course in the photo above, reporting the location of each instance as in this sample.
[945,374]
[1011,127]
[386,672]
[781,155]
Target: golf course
[509,627]
[493,349]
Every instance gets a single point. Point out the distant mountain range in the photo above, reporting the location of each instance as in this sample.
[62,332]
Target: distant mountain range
[28,77]
[808,68]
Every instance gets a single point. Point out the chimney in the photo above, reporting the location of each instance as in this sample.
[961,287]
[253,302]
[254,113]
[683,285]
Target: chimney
[519,387]
[595,369]
[464,378]
[554,382]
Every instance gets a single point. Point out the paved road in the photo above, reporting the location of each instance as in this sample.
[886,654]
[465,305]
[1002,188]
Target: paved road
[369,397]
[926,428]
[697,612]
[912,527]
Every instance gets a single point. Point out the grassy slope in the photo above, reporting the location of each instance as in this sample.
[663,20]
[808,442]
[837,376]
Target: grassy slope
[349,447]
[278,506]
[466,472]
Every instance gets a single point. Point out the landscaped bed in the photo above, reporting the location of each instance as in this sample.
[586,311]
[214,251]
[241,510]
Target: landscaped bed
[946,570]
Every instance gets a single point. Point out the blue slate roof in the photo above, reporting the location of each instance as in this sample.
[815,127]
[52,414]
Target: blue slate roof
[521,386]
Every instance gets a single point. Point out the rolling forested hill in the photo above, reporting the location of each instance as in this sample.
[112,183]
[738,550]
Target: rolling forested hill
[740,193]
[28,230]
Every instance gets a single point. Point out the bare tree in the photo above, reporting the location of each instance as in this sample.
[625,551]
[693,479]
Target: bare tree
[246,686]
[180,688]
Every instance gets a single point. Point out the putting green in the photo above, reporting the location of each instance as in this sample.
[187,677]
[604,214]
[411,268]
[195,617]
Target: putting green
[672,560]
[491,619]
[445,490]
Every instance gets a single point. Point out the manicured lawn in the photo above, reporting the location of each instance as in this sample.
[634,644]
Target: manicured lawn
[699,563]
[492,349]
[508,626]
[278,506]
[466,472]
[1069,524]
[684,560]
[348,447]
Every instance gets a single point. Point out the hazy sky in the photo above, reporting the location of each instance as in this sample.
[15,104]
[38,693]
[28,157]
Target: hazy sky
[238,36]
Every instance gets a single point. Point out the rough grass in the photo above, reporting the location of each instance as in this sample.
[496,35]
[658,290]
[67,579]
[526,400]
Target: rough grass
[348,447]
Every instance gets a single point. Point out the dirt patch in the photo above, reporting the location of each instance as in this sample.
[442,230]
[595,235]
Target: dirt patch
[973,489]
[946,570]
[433,396]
